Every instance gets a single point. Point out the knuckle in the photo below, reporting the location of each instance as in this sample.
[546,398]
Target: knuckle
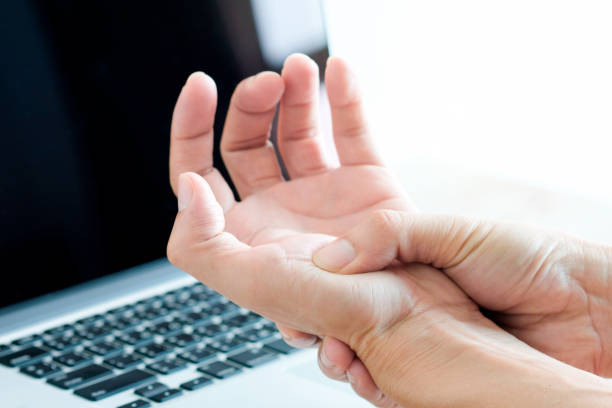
[354,132]
[306,132]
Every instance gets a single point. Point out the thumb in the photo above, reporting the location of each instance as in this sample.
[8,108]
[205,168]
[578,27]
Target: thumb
[440,241]
[198,236]
[261,278]
[205,214]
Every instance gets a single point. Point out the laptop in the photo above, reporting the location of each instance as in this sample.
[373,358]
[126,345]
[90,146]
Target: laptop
[91,312]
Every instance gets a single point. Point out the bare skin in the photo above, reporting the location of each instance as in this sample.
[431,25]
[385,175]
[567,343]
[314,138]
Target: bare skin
[258,252]
[548,289]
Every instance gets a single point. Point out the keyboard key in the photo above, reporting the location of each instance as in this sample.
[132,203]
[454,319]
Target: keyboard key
[41,370]
[182,295]
[254,357]
[54,331]
[136,337]
[167,395]
[73,358]
[167,366]
[219,369]
[156,303]
[228,344]
[153,350]
[123,361]
[195,318]
[79,377]
[224,309]
[124,322]
[114,385]
[4,349]
[212,330]
[280,346]
[183,339]
[151,389]
[258,334]
[199,287]
[137,404]
[105,348]
[118,311]
[94,331]
[197,355]
[152,313]
[209,298]
[64,342]
[196,384]
[167,328]
[27,340]
[243,320]
[183,302]
[171,304]
[23,357]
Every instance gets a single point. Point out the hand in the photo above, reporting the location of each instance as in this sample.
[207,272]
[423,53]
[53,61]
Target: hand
[319,198]
[275,276]
[550,290]
[423,340]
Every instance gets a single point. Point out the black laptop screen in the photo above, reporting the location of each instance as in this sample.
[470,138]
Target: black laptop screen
[87,92]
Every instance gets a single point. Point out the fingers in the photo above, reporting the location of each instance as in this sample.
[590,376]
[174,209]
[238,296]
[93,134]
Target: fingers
[245,146]
[296,338]
[362,383]
[299,138]
[442,241]
[191,136]
[338,362]
[353,144]
[335,358]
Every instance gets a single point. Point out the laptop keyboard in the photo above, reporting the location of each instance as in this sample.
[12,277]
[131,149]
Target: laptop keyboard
[136,345]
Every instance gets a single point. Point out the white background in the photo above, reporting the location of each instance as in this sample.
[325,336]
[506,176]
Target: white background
[520,90]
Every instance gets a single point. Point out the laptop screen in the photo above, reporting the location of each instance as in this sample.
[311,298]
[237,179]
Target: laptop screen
[88,89]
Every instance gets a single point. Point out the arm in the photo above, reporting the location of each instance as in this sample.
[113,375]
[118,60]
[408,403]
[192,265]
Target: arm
[423,340]
[257,251]
[548,289]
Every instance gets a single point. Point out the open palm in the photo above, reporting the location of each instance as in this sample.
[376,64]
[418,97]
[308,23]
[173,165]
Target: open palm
[320,197]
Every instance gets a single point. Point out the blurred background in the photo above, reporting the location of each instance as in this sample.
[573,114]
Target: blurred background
[490,108]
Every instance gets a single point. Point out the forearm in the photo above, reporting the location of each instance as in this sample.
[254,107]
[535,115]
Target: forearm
[491,375]
[594,274]
[541,383]
[440,358]
[555,384]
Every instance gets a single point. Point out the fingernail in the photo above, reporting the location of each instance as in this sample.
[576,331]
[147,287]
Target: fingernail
[325,361]
[334,256]
[350,378]
[302,342]
[185,191]
[195,74]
